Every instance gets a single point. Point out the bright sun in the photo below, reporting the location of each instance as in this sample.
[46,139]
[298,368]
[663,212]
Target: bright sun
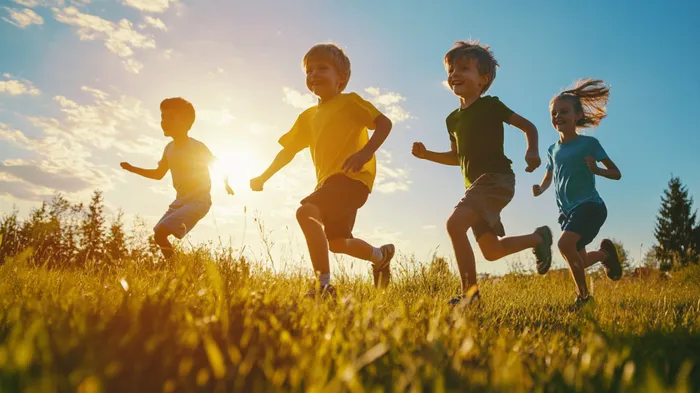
[240,166]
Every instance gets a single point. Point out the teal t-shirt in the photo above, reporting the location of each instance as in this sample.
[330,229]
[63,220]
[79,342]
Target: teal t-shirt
[573,182]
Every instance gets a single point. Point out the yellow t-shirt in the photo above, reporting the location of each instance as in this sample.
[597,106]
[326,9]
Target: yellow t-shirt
[334,131]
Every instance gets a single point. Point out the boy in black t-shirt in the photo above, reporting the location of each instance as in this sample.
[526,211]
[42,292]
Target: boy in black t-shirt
[476,136]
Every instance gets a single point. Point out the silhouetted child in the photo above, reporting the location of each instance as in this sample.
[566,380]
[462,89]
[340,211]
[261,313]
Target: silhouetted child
[188,161]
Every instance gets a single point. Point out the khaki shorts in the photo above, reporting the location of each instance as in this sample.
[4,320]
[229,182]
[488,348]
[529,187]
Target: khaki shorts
[487,196]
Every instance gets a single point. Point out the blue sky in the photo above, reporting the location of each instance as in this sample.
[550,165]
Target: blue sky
[80,84]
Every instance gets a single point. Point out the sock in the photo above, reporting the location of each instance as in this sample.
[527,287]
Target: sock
[377,255]
[325,279]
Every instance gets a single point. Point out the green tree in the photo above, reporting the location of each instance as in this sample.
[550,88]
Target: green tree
[675,224]
[92,230]
[116,239]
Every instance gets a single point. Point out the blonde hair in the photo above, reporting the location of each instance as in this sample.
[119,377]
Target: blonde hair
[589,96]
[486,62]
[335,54]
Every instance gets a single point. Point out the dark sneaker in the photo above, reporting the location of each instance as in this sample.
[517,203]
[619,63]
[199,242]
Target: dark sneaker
[382,270]
[580,302]
[471,297]
[324,292]
[612,264]
[543,251]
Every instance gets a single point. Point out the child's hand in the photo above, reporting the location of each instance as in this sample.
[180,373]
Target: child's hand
[256,184]
[229,190]
[532,158]
[419,149]
[536,190]
[355,162]
[592,165]
[126,166]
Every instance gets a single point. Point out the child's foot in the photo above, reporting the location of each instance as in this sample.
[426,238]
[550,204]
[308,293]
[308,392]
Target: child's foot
[324,292]
[382,270]
[580,302]
[543,251]
[471,297]
[612,263]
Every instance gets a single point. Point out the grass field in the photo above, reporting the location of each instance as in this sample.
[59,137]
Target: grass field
[215,327]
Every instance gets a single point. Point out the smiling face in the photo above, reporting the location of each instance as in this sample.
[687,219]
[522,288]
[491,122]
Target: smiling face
[323,79]
[564,115]
[464,78]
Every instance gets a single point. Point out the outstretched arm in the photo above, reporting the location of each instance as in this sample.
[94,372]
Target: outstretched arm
[355,162]
[611,170]
[155,174]
[444,158]
[539,189]
[284,157]
[532,156]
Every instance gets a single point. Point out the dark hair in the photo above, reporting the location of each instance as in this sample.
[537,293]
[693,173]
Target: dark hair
[589,96]
[483,55]
[180,106]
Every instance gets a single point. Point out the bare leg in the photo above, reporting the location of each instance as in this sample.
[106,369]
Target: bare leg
[357,248]
[161,238]
[592,257]
[567,247]
[309,218]
[460,221]
[494,248]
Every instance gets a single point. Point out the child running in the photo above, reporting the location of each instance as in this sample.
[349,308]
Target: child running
[336,133]
[572,163]
[476,137]
[188,161]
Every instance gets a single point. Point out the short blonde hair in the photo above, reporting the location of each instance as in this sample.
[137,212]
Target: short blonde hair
[335,54]
[482,54]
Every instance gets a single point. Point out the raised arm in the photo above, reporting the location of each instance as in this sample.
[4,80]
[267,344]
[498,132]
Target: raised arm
[539,189]
[532,156]
[611,170]
[284,157]
[155,174]
[444,158]
[355,162]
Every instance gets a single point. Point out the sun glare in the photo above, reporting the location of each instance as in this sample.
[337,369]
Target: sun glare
[240,166]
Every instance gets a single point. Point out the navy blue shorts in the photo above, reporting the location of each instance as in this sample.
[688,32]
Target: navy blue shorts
[586,220]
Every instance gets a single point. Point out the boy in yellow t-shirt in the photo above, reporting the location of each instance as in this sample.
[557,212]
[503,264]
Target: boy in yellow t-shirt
[335,131]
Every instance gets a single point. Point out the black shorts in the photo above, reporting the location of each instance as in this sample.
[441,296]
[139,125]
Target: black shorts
[338,199]
[586,220]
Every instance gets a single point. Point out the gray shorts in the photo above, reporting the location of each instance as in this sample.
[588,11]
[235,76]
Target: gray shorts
[487,196]
[179,220]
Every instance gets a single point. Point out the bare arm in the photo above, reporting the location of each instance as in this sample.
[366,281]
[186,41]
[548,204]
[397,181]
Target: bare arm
[155,174]
[444,158]
[539,189]
[284,157]
[532,156]
[611,170]
[382,128]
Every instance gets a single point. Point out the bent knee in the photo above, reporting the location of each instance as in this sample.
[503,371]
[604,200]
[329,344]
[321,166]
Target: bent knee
[566,244]
[337,246]
[306,211]
[460,221]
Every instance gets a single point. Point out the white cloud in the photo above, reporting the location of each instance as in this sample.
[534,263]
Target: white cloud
[133,66]
[390,179]
[23,18]
[149,5]
[155,22]
[298,99]
[218,118]
[446,85]
[389,103]
[16,87]
[119,38]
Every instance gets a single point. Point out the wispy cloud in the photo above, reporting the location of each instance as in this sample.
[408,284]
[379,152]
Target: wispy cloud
[119,38]
[155,22]
[17,87]
[389,103]
[390,179]
[23,18]
[156,6]
[298,99]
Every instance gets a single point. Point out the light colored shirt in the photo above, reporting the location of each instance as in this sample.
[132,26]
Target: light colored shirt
[188,163]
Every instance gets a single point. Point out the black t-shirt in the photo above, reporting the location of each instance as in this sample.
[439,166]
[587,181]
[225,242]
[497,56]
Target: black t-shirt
[478,133]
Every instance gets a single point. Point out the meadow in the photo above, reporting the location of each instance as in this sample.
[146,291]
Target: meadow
[208,324]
